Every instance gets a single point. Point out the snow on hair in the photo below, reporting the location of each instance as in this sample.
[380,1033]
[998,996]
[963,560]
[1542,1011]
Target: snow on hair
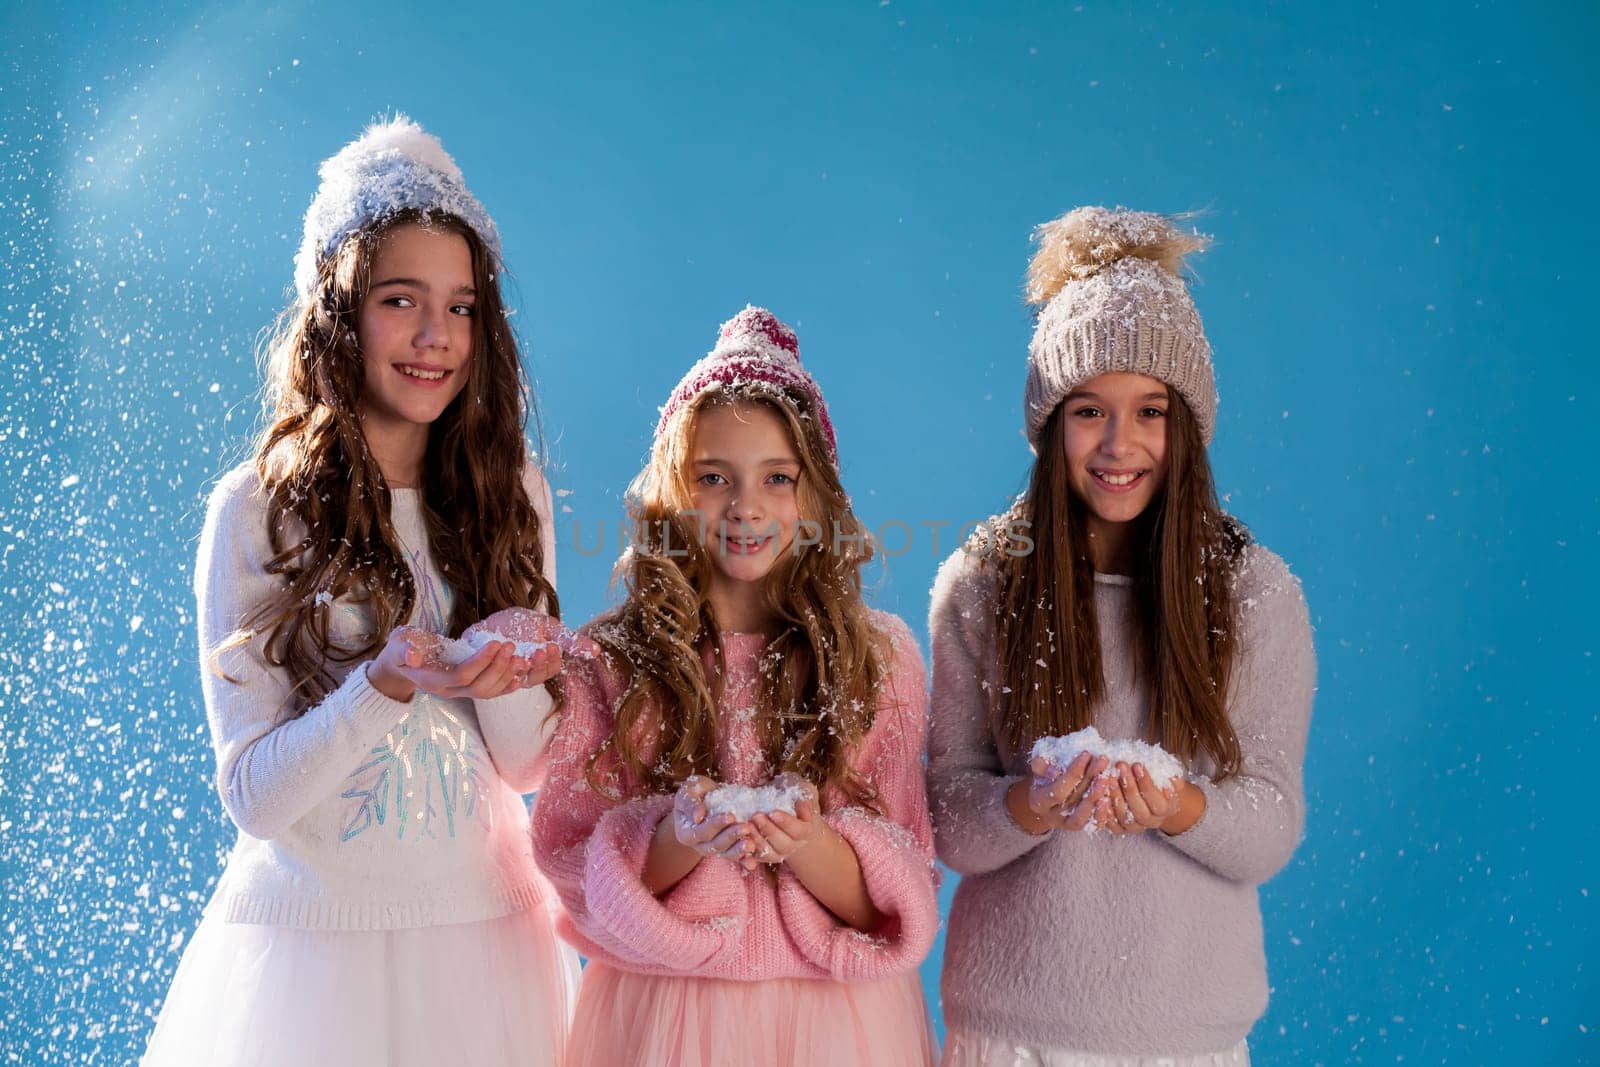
[1087,240]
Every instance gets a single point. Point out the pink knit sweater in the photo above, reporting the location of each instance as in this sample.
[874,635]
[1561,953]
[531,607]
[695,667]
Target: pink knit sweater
[721,922]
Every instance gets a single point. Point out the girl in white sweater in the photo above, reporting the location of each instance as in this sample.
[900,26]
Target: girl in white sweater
[381,905]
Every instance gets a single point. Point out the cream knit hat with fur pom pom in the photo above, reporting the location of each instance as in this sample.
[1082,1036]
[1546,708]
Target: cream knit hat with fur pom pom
[1112,300]
[395,165]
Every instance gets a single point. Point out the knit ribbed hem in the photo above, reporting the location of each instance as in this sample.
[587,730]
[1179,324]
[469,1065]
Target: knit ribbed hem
[1208,840]
[898,877]
[325,914]
[367,703]
[688,929]
[1101,1038]
[1007,842]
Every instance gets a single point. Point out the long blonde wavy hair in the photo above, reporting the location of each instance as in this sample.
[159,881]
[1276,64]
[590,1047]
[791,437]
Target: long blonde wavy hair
[328,507]
[821,671]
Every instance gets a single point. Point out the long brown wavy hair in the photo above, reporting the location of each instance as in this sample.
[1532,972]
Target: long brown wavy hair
[1048,637]
[822,670]
[327,502]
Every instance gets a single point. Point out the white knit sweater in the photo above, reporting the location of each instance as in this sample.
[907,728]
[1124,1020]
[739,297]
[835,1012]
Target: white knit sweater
[363,813]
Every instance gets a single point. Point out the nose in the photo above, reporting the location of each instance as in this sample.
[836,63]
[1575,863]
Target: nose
[743,511]
[1115,440]
[433,331]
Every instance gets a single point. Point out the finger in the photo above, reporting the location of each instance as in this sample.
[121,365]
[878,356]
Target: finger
[498,678]
[1102,805]
[1135,798]
[708,829]
[1083,811]
[733,842]
[464,674]
[1085,782]
[1119,802]
[1089,771]
[1155,798]
[542,666]
[1040,767]
[773,838]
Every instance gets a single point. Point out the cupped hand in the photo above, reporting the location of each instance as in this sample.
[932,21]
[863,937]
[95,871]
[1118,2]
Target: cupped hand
[1065,798]
[779,835]
[1136,802]
[524,625]
[710,835]
[413,659]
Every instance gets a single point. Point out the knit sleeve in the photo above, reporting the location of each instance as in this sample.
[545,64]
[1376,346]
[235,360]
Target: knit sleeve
[894,847]
[272,769]
[1253,820]
[967,783]
[517,726]
[592,847]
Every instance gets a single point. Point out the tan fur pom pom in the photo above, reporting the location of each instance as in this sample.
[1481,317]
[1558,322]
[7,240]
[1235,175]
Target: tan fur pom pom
[1087,240]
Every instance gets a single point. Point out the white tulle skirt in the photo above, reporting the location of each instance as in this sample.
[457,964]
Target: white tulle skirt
[978,1050]
[492,993]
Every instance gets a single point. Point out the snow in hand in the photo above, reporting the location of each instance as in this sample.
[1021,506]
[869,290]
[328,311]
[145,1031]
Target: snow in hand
[529,632]
[745,802]
[1061,751]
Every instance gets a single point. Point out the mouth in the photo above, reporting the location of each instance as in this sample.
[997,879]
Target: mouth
[744,546]
[1118,481]
[424,374]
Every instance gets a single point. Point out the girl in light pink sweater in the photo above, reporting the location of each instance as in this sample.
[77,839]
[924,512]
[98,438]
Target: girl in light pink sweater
[1107,912]
[742,655]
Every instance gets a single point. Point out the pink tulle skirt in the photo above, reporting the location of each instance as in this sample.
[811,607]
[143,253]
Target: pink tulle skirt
[626,1018]
[495,993]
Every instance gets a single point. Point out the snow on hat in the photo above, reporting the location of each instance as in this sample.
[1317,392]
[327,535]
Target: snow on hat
[393,166]
[1114,301]
[758,352]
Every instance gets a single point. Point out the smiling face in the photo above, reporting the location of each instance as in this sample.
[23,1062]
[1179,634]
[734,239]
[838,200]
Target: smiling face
[744,475]
[1114,435]
[415,332]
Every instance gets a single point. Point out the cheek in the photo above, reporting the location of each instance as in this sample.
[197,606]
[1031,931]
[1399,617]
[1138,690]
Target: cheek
[1156,445]
[1078,444]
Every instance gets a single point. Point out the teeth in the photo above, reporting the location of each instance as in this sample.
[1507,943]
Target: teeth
[425,375]
[1116,479]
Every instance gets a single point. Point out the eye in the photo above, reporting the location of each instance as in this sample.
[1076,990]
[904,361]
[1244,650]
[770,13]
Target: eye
[711,478]
[1088,411]
[781,479]
[1153,412]
[464,310]
[399,302]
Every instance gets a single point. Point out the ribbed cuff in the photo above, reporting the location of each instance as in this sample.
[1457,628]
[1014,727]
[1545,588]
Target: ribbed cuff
[701,919]
[899,879]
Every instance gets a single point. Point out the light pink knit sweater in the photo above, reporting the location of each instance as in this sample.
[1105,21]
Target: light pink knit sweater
[1146,945]
[719,921]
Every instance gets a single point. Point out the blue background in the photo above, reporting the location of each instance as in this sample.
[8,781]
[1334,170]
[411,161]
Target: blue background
[1403,201]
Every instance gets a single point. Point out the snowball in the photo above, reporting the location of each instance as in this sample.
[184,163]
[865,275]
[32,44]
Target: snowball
[745,802]
[1059,752]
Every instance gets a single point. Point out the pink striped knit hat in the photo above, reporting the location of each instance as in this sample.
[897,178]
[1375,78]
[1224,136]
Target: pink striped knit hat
[755,352]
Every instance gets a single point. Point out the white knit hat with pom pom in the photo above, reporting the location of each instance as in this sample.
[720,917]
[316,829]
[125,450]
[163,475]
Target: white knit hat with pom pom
[1113,301]
[394,165]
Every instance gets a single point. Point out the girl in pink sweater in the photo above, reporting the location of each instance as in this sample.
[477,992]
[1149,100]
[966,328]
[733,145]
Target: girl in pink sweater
[1107,912]
[381,906]
[742,655]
